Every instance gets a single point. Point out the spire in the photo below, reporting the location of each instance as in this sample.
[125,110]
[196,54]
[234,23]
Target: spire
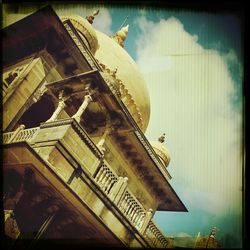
[92,17]
[162,138]
[121,35]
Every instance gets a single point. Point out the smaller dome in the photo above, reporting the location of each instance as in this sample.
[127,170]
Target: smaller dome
[85,30]
[123,32]
[121,35]
[161,150]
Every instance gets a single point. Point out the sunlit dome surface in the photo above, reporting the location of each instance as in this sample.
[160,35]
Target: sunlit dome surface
[85,30]
[109,53]
[112,55]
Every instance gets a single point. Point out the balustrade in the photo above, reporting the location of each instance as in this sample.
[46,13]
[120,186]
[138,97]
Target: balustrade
[116,190]
[20,135]
[105,178]
[155,237]
[132,209]
[7,136]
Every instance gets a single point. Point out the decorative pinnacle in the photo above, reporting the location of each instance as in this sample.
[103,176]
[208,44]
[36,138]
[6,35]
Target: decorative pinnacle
[92,17]
[121,35]
[114,72]
[162,138]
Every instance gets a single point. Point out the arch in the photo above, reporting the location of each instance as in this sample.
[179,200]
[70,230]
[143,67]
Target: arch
[39,112]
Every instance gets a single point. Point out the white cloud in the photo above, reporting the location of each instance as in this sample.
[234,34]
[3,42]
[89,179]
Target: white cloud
[103,22]
[190,89]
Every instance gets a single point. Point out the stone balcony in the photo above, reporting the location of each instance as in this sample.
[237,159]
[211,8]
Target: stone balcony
[67,150]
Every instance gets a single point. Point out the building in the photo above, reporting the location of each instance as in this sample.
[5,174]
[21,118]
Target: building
[76,162]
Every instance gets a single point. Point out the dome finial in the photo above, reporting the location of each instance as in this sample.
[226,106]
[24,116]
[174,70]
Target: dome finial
[121,35]
[92,17]
[162,138]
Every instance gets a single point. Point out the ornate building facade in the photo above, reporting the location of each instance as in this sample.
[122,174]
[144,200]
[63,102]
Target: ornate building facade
[76,162]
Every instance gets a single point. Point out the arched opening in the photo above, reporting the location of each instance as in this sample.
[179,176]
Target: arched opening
[39,112]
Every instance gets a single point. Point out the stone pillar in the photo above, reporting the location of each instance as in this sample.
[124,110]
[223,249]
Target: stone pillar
[102,140]
[146,221]
[78,114]
[59,108]
[118,189]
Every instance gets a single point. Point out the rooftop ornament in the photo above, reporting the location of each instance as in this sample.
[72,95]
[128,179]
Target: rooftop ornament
[121,35]
[92,17]
[162,138]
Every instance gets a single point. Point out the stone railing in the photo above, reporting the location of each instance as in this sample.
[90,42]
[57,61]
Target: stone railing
[20,134]
[105,178]
[132,209]
[155,237]
[7,136]
[117,191]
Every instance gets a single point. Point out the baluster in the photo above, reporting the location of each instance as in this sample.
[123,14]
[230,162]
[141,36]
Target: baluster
[154,242]
[107,181]
[20,136]
[140,219]
[140,215]
[136,213]
[112,182]
[128,206]
[123,202]
[131,213]
[147,219]
[105,178]
[137,216]
[102,177]
[120,204]
[119,189]
[97,177]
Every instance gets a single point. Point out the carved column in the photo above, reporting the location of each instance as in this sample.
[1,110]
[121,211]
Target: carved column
[78,114]
[59,108]
[146,221]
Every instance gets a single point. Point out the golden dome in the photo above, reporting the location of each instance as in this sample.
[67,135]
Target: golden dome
[115,58]
[161,150]
[85,30]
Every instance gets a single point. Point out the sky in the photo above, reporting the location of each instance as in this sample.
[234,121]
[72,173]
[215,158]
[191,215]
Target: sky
[192,63]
